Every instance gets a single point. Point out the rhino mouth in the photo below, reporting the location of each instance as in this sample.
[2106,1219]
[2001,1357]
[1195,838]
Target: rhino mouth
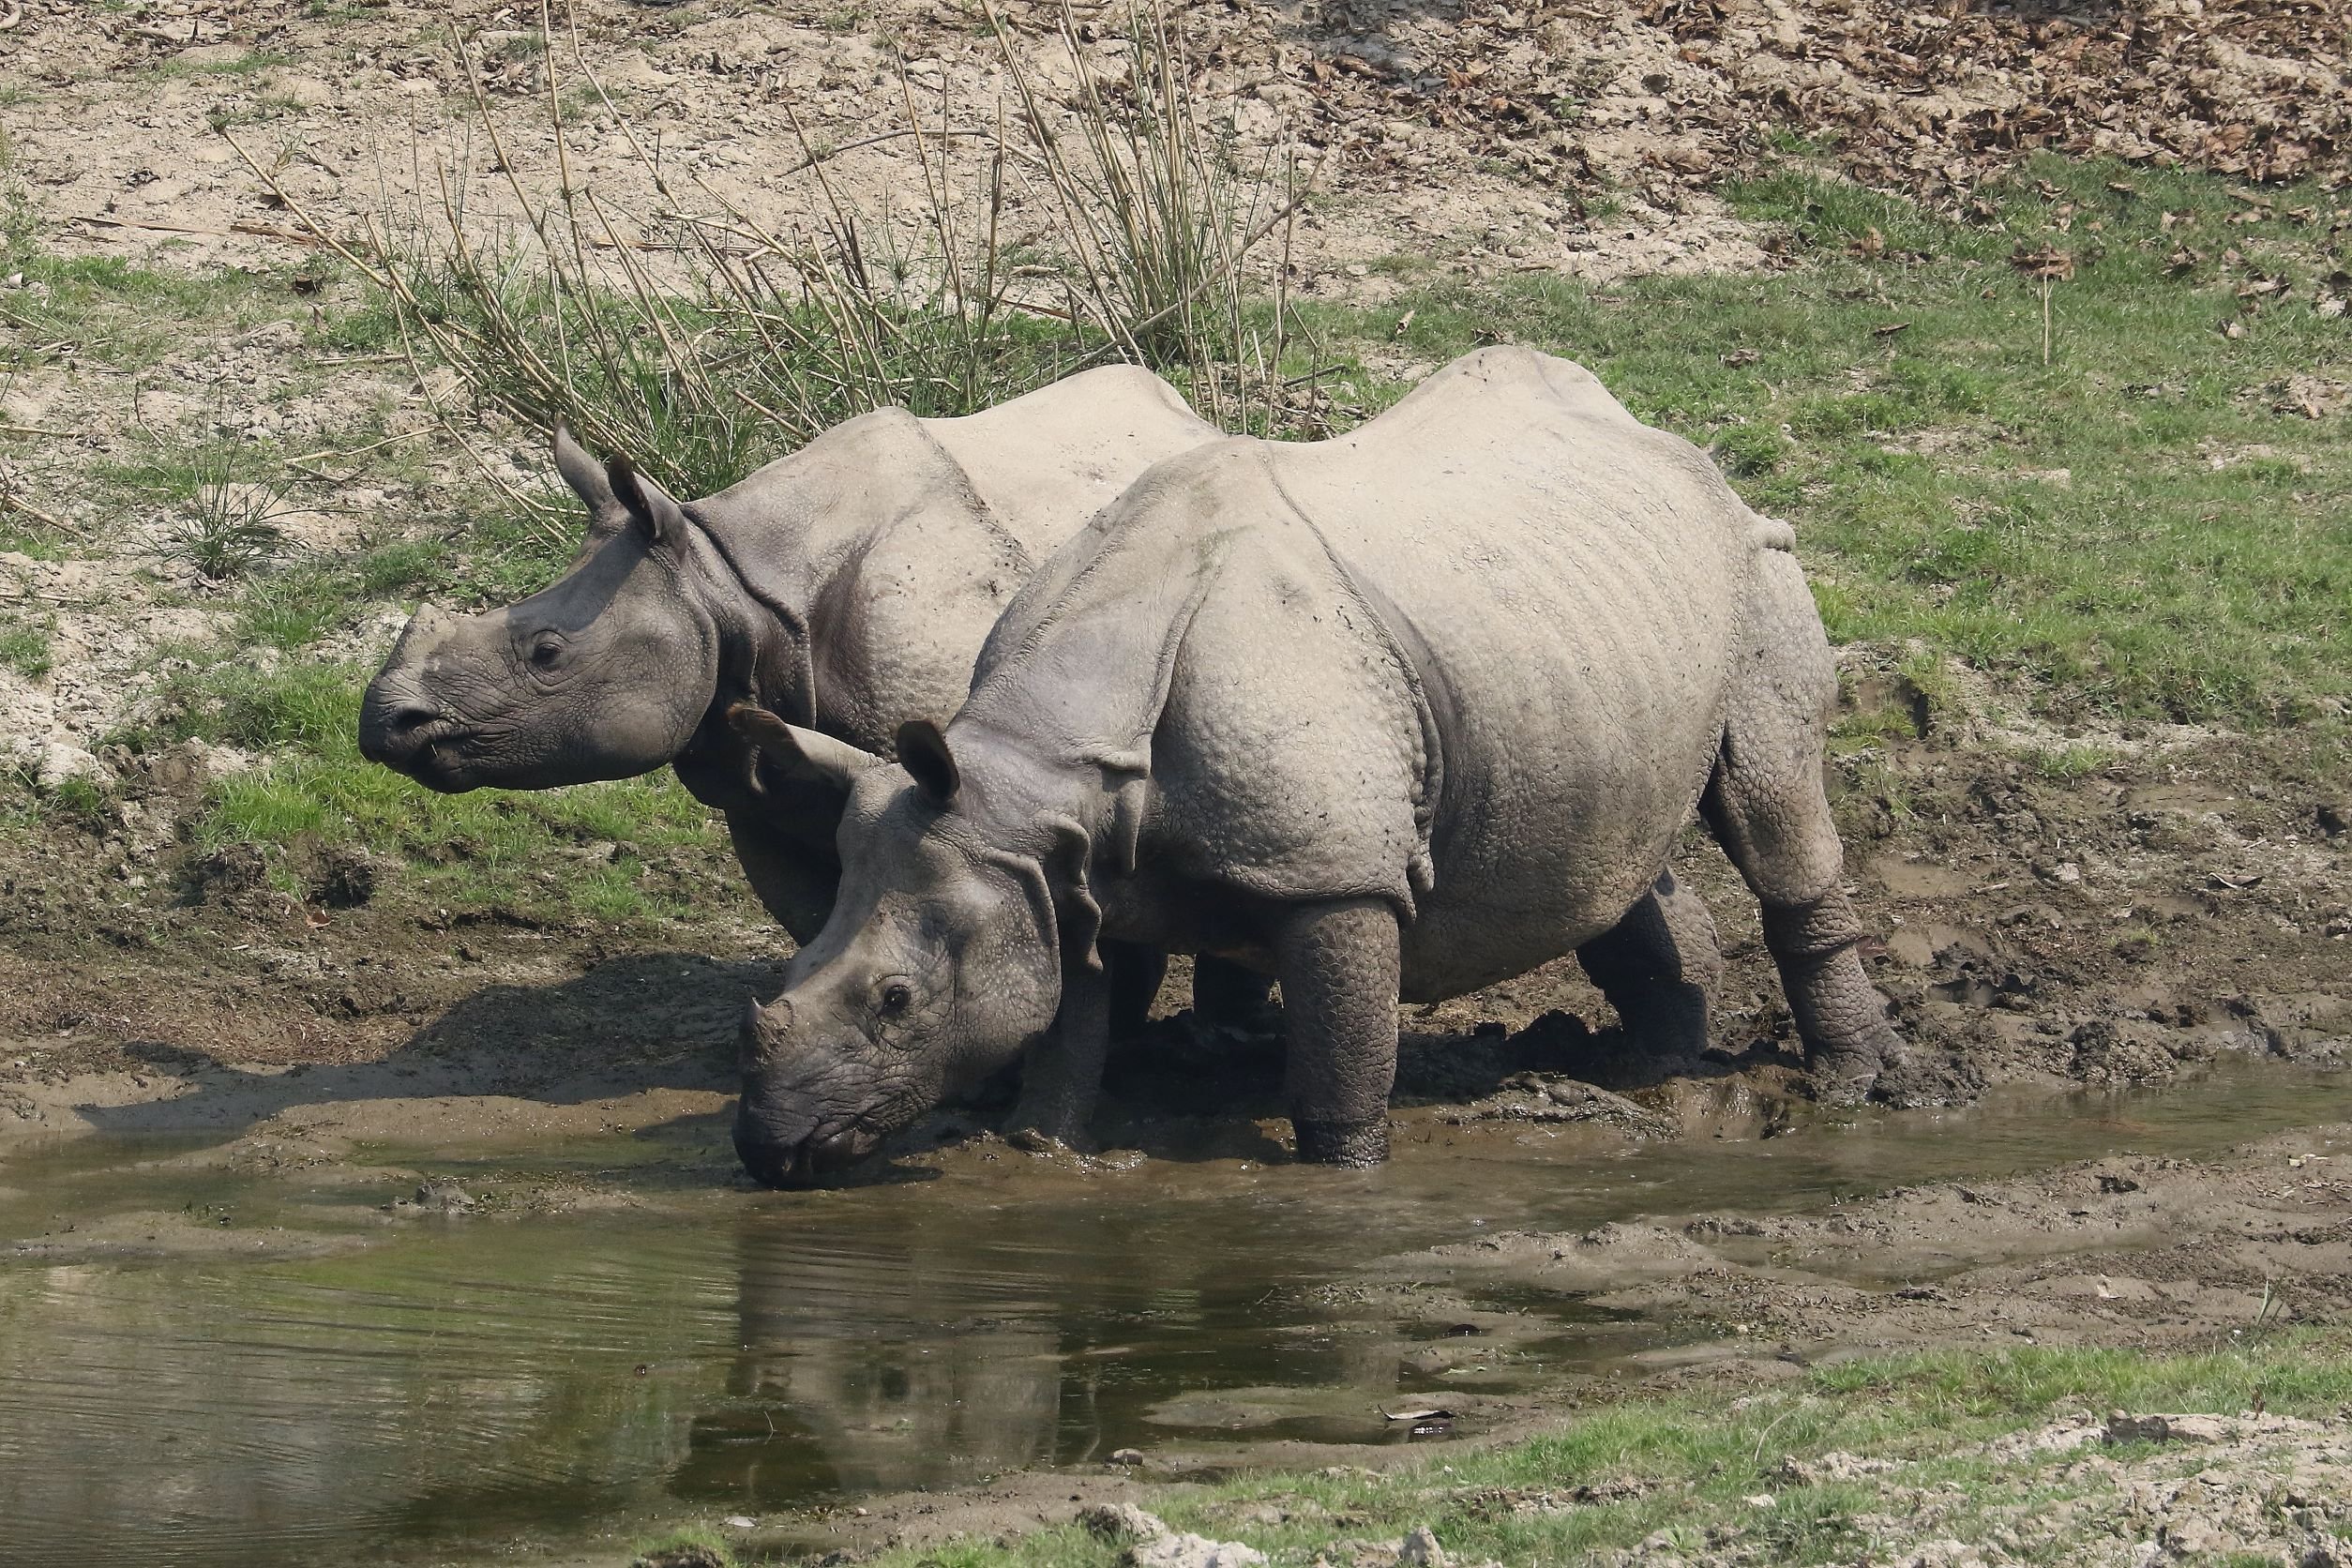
[825,1149]
[436,755]
[806,1163]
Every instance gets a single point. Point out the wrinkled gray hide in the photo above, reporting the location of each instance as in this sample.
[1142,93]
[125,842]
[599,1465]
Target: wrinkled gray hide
[1407,713]
[847,586]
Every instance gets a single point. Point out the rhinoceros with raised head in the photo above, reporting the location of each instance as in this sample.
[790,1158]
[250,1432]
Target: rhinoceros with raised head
[1401,714]
[847,586]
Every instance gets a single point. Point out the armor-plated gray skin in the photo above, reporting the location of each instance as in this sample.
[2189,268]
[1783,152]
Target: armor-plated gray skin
[1406,713]
[847,586]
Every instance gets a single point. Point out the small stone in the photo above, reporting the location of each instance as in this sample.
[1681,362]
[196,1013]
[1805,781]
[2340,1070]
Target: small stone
[1117,1522]
[1190,1551]
[1131,1457]
[1421,1549]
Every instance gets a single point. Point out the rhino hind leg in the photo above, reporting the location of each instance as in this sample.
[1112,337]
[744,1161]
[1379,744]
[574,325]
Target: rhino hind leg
[1659,966]
[1767,808]
[1337,962]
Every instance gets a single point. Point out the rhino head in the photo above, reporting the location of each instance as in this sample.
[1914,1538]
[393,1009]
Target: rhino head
[606,674]
[939,966]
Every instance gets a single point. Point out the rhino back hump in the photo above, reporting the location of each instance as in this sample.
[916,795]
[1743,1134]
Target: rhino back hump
[1046,462]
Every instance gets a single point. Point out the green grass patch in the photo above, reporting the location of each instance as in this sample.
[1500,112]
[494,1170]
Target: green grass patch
[2148,526]
[489,845]
[1688,1467]
[24,645]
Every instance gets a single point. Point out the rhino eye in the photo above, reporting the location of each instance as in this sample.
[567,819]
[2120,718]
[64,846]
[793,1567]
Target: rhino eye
[546,651]
[896,999]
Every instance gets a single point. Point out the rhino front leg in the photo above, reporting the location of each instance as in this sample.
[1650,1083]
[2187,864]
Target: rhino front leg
[1658,967]
[1061,1077]
[1768,808]
[1136,973]
[1337,962]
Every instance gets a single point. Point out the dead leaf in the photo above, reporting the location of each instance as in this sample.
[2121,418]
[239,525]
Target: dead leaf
[1890,329]
[1742,357]
[2048,263]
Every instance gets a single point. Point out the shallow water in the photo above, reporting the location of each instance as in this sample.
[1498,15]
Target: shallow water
[440,1386]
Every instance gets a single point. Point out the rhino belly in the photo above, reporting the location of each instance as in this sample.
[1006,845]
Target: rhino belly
[1574,753]
[1518,904]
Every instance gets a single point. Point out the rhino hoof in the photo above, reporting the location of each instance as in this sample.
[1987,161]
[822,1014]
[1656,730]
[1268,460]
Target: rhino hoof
[1355,1144]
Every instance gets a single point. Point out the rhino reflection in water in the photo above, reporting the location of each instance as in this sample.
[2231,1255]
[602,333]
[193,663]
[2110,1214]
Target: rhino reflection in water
[1406,713]
[872,1369]
[958,1346]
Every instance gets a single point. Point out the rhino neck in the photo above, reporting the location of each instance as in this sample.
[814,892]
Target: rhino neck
[1055,743]
[764,658]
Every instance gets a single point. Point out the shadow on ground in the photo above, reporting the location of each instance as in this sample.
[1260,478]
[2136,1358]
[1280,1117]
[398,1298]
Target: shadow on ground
[648,1021]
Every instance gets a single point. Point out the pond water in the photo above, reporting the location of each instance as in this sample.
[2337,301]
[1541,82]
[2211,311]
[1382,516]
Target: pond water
[438,1387]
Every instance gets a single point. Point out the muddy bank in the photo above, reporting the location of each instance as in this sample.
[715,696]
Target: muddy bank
[2187,902]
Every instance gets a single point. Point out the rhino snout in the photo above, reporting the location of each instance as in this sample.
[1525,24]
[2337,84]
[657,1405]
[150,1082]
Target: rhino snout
[397,721]
[798,1156]
[395,726]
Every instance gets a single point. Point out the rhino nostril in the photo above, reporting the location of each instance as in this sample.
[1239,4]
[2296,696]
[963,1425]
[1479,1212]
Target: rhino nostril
[403,722]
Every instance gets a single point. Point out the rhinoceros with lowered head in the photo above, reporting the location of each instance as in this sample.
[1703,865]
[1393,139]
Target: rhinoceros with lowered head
[1402,714]
[847,586]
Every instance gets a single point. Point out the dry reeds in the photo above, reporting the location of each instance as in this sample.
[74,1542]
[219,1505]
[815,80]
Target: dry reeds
[699,342]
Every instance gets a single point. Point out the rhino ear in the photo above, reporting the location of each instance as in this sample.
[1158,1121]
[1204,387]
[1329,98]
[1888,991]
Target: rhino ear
[923,752]
[659,518]
[798,753]
[583,473]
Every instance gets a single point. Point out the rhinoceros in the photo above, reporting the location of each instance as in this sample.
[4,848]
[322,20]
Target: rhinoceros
[848,585]
[1402,714]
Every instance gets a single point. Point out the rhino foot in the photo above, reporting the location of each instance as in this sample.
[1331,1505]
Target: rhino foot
[1358,1145]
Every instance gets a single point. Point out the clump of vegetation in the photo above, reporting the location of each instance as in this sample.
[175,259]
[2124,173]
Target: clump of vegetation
[24,645]
[225,505]
[702,344]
